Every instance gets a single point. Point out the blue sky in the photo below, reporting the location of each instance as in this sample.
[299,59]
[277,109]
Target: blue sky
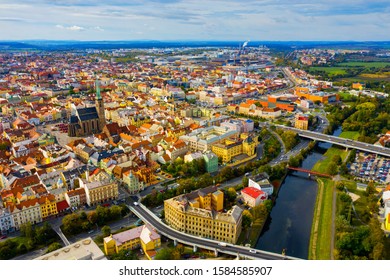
[195,20]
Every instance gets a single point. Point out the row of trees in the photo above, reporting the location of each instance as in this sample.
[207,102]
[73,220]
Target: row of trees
[188,169]
[79,222]
[295,161]
[290,138]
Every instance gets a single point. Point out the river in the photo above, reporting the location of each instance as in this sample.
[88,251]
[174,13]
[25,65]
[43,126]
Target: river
[289,224]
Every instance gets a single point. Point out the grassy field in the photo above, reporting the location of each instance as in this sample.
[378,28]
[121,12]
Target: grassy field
[354,135]
[377,64]
[322,165]
[320,238]
[330,70]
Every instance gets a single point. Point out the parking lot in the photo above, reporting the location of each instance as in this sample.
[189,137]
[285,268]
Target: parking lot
[370,167]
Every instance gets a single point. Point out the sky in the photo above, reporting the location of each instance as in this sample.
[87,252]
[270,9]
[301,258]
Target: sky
[216,20]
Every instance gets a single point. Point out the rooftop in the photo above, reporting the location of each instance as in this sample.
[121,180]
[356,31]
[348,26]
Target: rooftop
[85,249]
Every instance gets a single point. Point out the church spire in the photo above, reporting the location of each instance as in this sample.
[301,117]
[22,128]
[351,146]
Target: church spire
[97,86]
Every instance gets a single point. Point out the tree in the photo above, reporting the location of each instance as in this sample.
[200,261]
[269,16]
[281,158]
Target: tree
[53,246]
[106,231]
[168,254]
[332,168]
[22,249]
[231,194]
[337,159]
[92,217]
[226,173]
[245,181]
[70,224]
[343,169]
[268,205]
[27,230]
[71,90]
[370,189]
[124,255]
[247,219]
[116,212]
[103,214]
[293,161]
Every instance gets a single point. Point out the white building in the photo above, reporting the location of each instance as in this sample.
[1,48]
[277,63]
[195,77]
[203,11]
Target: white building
[261,184]
[253,196]
[6,221]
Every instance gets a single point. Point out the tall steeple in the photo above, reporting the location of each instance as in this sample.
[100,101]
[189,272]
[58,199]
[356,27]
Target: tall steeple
[97,86]
[99,106]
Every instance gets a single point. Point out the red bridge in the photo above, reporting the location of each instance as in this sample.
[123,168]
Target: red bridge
[309,172]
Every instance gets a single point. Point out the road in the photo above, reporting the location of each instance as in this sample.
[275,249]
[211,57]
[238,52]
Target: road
[348,143]
[148,217]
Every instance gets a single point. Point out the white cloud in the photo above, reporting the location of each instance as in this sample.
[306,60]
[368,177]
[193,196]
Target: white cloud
[98,28]
[75,28]
[72,28]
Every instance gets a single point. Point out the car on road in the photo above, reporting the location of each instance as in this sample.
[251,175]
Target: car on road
[3,237]
[91,231]
[252,251]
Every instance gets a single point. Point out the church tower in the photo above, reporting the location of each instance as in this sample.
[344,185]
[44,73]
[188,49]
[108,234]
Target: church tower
[100,106]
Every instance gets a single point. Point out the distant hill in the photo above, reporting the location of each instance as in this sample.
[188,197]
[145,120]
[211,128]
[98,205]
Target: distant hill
[82,45]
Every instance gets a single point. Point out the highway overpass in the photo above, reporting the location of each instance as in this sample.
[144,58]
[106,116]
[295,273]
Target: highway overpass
[148,217]
[347,143]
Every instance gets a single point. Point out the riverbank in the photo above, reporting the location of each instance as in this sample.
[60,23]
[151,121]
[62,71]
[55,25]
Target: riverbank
[321,238]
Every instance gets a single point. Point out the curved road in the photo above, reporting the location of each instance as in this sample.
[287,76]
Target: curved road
[167,231]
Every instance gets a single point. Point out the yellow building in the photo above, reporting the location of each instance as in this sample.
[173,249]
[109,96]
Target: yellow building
[302,122]
[357,86]
[144,237]
[48,205]
[99,191]
[387,222]
[229,148]
[323,97]
[196,213]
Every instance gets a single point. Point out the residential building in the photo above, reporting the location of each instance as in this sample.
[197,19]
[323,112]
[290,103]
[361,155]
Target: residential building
[197,213]
[302,122]
[6,221]
[253,196]
[99,191]
[28,211]
[132,182]
[144,237]
[76,197]
[211,161]
[201,139]
[261,182]
[48,205]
